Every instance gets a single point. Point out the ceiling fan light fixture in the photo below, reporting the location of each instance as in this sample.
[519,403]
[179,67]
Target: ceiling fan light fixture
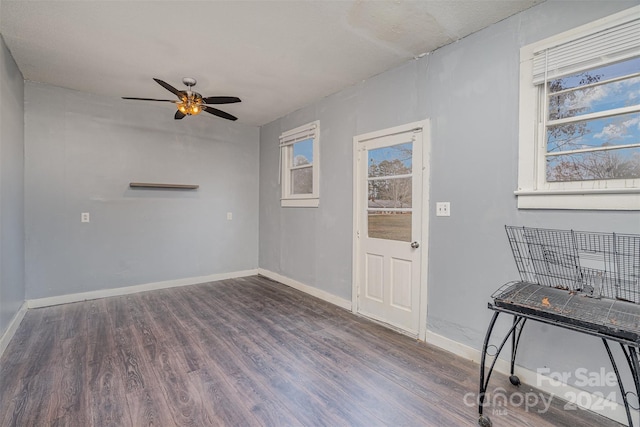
[191,103]
[190,107]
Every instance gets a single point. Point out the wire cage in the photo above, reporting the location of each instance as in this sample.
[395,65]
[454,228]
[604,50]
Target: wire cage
[586,279]
[583,281]
[603,265]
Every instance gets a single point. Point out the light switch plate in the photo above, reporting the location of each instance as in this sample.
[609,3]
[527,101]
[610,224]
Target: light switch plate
[84,217]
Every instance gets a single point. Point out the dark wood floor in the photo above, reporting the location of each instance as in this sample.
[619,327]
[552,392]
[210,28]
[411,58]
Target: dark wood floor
[242,352]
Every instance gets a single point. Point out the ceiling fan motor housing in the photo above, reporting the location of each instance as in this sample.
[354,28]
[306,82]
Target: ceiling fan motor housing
[189,81]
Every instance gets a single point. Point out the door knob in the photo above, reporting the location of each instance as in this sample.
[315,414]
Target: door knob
[415,245]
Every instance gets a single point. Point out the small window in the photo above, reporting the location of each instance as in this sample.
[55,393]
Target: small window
[580,118]
[300,166]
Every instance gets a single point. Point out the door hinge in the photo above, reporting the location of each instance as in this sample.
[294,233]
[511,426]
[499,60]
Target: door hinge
[358,234]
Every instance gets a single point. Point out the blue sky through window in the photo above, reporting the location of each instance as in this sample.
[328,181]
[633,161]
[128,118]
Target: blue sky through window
[612,71]
[305,149]
[594,99]
[617,130]
[620,129]
[401,152]
[597,110]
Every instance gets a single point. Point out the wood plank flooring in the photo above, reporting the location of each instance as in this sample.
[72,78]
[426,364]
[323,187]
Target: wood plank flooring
[241,352]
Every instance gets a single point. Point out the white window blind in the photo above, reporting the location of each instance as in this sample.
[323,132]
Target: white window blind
[596,49]
[297,135]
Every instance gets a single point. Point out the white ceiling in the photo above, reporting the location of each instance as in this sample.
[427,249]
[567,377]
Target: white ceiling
[277,56]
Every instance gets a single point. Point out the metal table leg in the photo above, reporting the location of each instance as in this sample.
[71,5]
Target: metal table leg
[515,341]
[635,370]
[485,376]
[620,384]
[631,354]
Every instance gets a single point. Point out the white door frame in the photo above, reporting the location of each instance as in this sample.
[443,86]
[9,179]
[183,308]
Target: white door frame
[424,232]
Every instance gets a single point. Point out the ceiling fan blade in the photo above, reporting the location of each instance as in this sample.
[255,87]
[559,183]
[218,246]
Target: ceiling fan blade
[218,113]
[170,88]
[221,100]
[179,115]
[150,99]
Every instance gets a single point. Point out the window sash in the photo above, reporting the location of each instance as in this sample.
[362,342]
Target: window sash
[385,177]
[286,168]
[308,165]
[541,185]
[288,139]
[545,154]
[390,210]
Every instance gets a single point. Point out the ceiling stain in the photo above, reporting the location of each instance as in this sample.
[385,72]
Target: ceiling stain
[402,24]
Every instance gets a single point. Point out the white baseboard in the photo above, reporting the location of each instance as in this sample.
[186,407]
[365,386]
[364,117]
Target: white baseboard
[593,403]
[13,327]
[85,296]
[318,293]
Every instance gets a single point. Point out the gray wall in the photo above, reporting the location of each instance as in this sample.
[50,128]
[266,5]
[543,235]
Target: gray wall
[81,152]
[12,287]
[473,90]
[469,90]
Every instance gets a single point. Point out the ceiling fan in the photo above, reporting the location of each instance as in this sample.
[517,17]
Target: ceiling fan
[190,103]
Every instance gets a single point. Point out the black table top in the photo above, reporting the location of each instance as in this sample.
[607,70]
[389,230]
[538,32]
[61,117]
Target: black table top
[615,318]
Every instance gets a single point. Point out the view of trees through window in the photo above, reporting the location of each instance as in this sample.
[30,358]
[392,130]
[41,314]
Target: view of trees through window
[593,126]
[394,164]
[302,168]
[390,192]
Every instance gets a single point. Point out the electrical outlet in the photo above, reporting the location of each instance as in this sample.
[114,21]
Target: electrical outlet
[229,216]
[84,217]
[443,209]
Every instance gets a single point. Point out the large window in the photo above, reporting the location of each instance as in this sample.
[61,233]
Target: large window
[300,165]
[580,118]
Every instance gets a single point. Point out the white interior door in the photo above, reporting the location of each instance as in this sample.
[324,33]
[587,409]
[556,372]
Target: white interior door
[388,222]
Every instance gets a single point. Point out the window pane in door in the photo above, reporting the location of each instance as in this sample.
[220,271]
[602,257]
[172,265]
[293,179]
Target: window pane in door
[390,161]
[390,226]
[390,193]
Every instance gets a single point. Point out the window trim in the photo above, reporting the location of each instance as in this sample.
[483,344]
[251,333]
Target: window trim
[287,140]
[534,192]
